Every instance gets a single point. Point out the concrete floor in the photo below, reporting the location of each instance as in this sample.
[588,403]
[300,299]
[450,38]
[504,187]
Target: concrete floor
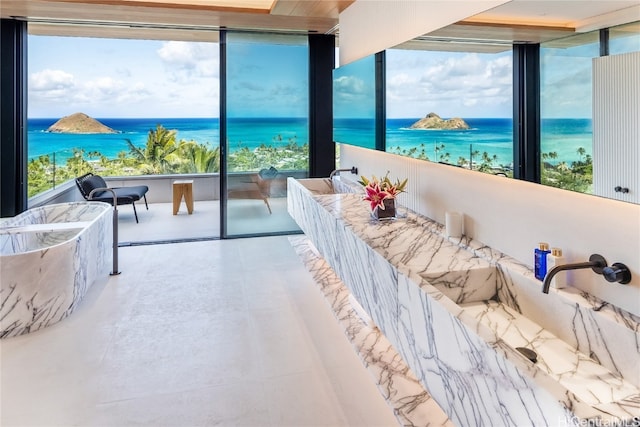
[245,216]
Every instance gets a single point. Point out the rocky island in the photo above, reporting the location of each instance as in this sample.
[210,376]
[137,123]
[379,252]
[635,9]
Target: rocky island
[79,123]
[434,121]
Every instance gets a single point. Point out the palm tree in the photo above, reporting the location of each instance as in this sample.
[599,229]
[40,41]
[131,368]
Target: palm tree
[487,162]
[157,154]
[76,164]
[199,158]
[563,167]
[438,149]
[473,155]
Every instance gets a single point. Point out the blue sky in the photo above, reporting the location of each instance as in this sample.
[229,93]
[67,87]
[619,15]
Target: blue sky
[267,80]
[145,78]
[122,78]
[450,84]
[354,89]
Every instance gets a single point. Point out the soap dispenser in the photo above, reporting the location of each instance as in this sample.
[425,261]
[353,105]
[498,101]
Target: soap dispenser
[540,260]
[555,258]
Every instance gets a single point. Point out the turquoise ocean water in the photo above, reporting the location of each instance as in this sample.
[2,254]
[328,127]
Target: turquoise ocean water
[493,136]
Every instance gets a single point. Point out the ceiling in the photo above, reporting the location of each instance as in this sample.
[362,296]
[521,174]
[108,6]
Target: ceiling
[520,21]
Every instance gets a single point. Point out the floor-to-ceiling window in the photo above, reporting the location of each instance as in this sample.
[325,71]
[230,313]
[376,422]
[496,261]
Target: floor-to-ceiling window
[451,107]
[120,107]
[267,128]
[128,107]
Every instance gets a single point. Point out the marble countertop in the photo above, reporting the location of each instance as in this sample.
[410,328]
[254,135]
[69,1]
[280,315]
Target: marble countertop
[466,277]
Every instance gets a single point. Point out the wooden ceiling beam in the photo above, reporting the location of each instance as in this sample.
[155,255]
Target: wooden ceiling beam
[71,11]
[324,8]
[194,5]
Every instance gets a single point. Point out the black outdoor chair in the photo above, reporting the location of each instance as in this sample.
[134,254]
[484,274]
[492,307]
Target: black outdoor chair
[125,195]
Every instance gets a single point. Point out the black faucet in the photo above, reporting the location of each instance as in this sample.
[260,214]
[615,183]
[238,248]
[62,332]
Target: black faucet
[353,170]
[618,272]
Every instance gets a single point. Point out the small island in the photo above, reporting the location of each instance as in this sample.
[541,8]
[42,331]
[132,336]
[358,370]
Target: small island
[434,121]
[79,123]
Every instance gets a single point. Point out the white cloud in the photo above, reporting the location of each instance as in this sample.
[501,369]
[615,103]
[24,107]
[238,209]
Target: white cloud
[134,94]
[350,90]
[188,59]
[208,68]
[470,102]
[400,79]
[175,52]
[122,78]
[455,85]
[108,91]
[51,80]
[100,89]
[349,85]
[569,96]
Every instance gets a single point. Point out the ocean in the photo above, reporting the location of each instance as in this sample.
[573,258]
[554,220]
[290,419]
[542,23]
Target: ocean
[493,136]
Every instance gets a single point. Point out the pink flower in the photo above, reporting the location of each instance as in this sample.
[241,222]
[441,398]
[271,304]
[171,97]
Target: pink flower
[393,191]
[375,195]
[378,190]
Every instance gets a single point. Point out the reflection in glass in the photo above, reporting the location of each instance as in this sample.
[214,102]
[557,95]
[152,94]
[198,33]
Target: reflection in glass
[566,135]
[476,87]
[624,38]
[354,103]
[267,129]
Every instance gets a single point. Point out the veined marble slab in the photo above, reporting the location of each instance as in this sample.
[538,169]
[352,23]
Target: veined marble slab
[415,284]
[555,356]
[594,327]
[47,271]
[411,404]
[40,228]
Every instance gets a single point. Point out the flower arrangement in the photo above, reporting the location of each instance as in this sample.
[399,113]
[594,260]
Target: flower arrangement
[379,190]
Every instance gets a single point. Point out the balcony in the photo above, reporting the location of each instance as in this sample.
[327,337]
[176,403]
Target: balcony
[247,213]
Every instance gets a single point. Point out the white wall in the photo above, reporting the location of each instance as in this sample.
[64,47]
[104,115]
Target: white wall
[362,21]
[616,130]
[512,216]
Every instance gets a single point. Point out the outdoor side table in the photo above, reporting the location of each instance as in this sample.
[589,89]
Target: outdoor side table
[183,188]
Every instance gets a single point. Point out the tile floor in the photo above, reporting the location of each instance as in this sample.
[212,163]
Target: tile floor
[221,333]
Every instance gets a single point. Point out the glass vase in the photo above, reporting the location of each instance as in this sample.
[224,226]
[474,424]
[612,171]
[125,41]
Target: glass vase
[389,211]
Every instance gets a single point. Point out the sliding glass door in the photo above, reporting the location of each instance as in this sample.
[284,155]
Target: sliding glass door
[267,136]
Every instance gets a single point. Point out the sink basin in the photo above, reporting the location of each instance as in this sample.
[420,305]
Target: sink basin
[317,186]
[511,313]
[458,311]
[464,286]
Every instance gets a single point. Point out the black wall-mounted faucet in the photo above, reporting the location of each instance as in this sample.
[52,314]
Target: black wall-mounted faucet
[618,272]
[353,170]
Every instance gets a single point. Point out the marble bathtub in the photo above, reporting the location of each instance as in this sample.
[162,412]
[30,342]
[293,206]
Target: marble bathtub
[49,257]
[456,310]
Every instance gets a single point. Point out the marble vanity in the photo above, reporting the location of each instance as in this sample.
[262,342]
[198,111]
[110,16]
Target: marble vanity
[456,310]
